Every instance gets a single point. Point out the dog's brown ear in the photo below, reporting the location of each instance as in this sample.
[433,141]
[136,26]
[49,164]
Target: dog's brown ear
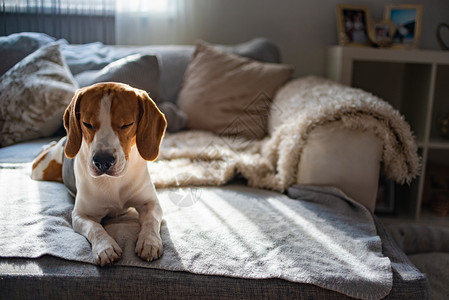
[72,126]
[150,129]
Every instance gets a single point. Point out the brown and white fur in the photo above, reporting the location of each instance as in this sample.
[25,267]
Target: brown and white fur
[112,130]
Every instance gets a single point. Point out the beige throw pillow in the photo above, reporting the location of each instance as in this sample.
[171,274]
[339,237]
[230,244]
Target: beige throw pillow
[228,94]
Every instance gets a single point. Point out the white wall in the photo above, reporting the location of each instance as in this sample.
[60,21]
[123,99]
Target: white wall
[303,29]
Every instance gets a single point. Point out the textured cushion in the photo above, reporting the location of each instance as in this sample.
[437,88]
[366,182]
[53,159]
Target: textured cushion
[34,95]
[14,47]
[139,70]
[228,94]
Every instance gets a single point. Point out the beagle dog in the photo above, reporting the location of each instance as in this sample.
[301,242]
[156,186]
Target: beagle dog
[112,130]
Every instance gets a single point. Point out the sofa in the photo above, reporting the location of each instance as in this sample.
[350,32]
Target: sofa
[268,182]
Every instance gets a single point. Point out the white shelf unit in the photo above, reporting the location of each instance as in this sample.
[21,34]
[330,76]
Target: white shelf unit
[416,82]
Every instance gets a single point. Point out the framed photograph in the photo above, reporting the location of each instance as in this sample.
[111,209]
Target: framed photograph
[407,19]
[352,22]
[381,32]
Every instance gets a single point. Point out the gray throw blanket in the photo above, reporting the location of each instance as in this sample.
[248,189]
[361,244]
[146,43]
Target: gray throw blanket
[316,236]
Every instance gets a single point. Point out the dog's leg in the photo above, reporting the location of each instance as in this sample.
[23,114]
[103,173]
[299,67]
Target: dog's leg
[48,163]
[149,242]
[105,249]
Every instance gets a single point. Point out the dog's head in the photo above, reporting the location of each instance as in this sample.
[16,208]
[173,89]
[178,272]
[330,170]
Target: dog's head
[111,118]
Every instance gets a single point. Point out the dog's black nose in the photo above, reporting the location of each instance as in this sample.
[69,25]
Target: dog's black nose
[103,162]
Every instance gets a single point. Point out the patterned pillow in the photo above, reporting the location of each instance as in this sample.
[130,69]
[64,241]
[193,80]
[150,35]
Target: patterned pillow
[33,96]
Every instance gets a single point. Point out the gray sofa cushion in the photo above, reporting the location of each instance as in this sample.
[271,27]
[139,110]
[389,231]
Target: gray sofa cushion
[139,71]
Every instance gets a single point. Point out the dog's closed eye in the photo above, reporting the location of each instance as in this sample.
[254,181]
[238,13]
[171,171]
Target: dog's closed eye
[89,126]
[126,126]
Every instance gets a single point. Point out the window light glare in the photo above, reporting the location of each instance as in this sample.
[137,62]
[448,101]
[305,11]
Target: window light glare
[150,6]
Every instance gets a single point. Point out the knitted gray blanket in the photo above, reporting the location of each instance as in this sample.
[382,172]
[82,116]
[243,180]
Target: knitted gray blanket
[317,235]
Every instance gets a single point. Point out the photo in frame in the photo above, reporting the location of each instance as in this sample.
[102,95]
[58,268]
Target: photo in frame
[381,32]
[407,19]
[352,23]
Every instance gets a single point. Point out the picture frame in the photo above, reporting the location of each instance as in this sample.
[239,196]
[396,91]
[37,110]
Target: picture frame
[381,32]
[352,24]
[407,19]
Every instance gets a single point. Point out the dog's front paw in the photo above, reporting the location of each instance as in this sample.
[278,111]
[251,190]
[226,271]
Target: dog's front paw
[106,251]
[149,246]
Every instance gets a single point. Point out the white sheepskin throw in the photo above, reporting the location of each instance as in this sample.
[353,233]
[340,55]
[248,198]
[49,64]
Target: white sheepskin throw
[201,158]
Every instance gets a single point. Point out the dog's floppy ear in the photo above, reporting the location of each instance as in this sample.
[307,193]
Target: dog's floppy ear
[150,129]
[72,126]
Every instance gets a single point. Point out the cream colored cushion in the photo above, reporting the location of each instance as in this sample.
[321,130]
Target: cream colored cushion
[228,94]
[33,96]
[345,158]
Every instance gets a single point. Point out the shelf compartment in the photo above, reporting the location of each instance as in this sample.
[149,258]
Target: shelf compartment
[406,86]
[436,181]
[440,103]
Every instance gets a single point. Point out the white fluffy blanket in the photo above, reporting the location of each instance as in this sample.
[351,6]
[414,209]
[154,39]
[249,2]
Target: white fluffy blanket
[201,158]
